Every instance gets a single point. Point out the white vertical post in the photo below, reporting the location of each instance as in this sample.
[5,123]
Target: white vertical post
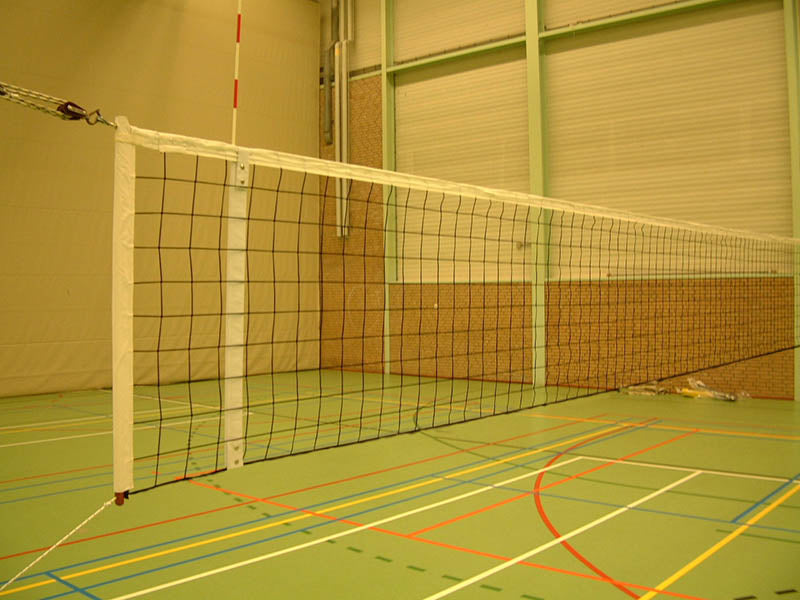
[390,254]
[235,311]
[122,308]
[342,112]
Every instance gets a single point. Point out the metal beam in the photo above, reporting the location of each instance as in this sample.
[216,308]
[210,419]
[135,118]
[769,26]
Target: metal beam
[540,232]
[512,42]
[791,20]
[389,163]
[631,17]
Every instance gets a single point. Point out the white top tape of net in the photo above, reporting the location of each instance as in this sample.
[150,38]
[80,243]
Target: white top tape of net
[169,142]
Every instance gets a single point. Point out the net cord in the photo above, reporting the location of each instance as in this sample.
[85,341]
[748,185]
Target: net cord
[174,143]
[57,544]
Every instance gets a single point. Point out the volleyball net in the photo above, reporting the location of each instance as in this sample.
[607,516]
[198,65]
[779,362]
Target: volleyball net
[266,304]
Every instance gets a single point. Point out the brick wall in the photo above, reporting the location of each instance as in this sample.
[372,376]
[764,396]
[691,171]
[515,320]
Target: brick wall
[352,268]
[609,334]
[600,335]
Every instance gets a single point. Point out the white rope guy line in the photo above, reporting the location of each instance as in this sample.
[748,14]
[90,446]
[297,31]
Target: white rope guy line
[57,544]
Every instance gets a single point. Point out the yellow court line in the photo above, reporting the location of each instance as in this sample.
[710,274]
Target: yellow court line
[773,436]
[307,516]
[720,544]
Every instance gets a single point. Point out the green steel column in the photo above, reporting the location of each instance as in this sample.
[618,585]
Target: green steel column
[539,246]
[389,198]
[791,20]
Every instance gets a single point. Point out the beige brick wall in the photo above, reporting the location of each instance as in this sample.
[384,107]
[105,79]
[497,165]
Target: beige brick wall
[611,334]
[476,331]
[352,268]
[600,335]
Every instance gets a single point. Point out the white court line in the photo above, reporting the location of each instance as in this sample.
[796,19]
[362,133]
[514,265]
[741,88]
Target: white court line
[686,469]
[87,435]
[558,540]
[334,536]
[173,400]
[56,422]
[106,417]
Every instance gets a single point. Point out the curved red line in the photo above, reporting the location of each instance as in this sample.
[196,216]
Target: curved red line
[556,533]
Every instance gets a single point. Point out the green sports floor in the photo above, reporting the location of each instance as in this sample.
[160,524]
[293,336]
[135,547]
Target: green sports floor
[611,496]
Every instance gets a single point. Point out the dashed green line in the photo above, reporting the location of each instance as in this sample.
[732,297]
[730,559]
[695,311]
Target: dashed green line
[384,559]
[491,587]
[527,597]
[452,578]
[415,568]
[352,549]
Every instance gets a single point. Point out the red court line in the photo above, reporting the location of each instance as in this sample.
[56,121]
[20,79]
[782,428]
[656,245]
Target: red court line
[569,547]
[554,530]
[39,476]
[538,488]
[411,537]
[289,493]
[130,529]
[420,461]
[520,496]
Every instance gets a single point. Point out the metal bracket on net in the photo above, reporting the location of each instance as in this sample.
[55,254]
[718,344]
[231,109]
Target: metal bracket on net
[73,112]
[55,107]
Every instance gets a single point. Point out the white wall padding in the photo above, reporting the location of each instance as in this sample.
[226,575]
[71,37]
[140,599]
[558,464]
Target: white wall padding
[683,117]
[367,36]
[464,122]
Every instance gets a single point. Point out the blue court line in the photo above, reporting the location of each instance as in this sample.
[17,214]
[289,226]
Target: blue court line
[327,522]
[358,513]
[82,411]
[774,492]
[74,587]
[351,496]
[350,516]
[315,526]
[636,508]
[255,542]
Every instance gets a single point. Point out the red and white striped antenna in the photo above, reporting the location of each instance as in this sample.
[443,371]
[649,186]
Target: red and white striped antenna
[236,70]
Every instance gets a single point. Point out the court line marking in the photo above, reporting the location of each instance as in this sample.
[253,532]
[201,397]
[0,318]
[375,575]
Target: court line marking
[483,465]
[733,432]
[689,469]
[763,500]
[541,548]
[719,545]
[72,586]
[334,536]
[109,432]
[538,489]
[426,482]
[367,474]
[445,545]
[25,426]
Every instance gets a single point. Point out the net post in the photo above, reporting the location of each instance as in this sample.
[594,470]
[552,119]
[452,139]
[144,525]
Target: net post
[390,269]
[236,248]
[540,259]
[791,23]
[122,308]
[390,253]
